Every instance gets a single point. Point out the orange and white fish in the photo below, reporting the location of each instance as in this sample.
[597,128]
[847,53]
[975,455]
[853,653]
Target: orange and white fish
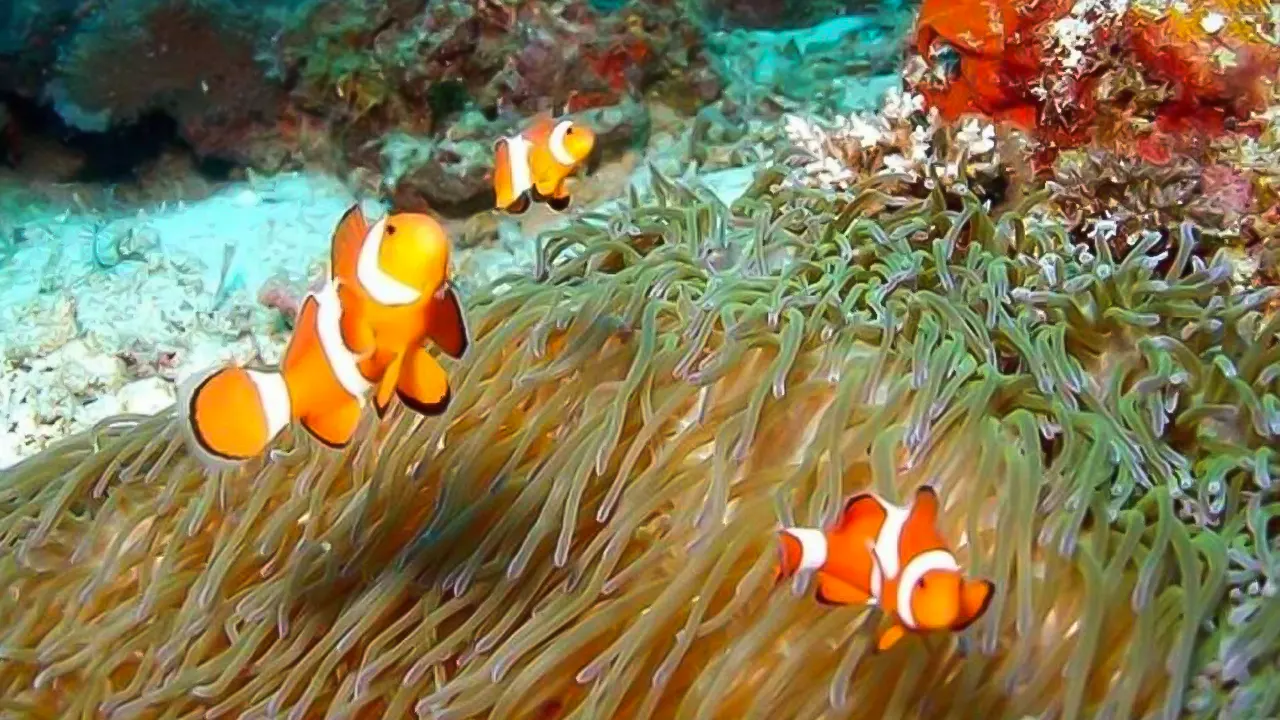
[533,165]
[891,556]
[365,330]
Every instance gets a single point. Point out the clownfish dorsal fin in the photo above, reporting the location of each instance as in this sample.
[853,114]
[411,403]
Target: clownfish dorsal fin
[920,529]
[348,238]
[539,128]
[863,507]
[975,598]
[357,333]
[447,323]
[925,506]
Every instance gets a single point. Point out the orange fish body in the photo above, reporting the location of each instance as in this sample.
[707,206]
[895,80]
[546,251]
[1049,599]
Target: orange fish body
[388,293]
[891,556]
[534,165]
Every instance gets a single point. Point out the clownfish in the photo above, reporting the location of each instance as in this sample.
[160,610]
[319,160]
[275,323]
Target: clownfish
[388,293]
[533,165]
[891,556]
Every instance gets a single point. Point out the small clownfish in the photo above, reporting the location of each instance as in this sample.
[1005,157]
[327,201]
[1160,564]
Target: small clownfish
[533,165]
[388,292]
[891,556]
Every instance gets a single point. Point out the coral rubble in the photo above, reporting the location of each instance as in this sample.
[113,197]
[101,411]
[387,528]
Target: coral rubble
[586,532]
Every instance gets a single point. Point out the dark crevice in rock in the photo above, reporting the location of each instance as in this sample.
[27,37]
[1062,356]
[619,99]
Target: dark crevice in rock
[118,154]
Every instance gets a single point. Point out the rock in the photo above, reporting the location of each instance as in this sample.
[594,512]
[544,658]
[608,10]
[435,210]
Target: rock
[618,128]
[453,181]
[146,397]
[198,64]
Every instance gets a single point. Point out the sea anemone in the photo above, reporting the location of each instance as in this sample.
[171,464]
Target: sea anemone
[587,532]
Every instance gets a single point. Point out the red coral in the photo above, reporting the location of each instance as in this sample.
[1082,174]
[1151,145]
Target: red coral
[615,64]
[1013,65]
[1215,75]
[995,72]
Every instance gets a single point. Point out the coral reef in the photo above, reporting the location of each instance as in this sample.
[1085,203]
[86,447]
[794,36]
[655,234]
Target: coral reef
[196,62]
[421,92]
[839,66]
[1157,79]
[587,530]
[784,14]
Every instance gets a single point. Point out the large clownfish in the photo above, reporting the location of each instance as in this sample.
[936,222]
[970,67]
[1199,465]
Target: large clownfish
[891,556]
[533,165]
[388,293]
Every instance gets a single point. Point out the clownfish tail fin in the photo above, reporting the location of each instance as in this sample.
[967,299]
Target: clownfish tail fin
[233,413]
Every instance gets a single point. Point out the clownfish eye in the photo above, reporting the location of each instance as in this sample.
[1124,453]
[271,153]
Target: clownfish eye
[569,131]
[920,584]
[391,229]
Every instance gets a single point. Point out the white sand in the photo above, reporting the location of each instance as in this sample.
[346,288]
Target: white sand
[79,343]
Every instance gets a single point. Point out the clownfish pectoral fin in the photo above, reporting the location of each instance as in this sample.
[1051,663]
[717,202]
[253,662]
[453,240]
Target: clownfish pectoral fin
[834,591]
[347,240]
[858,508]
[926,505]
[975,597]
[357,334]
[890,637]
[447,324]
[334,426]
[387,386]
[423,386]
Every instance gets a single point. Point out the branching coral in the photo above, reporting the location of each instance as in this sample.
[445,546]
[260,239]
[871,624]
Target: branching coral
[587,531]
[1132,196]
[909,152]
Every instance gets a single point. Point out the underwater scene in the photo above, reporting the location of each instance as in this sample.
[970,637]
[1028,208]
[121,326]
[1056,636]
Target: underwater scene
[652,359]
